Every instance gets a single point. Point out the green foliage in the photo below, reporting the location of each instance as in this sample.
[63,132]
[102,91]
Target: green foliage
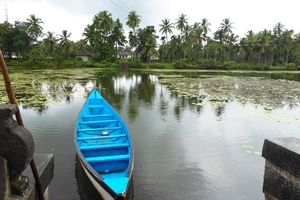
[208,64]
[117,63]
[135,63]
[290,66]
[37,55]
[14,63]
[231,65]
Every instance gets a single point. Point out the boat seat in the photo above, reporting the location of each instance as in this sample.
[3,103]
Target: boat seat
[98,115]
[99,129]
[100,146]
[95,106]
[100,137]
[107,158]
[98,121]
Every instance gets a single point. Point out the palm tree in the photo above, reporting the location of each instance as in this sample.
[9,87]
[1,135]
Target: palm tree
[163,40]
[118,34]
[149,47]
[205,25]
[133,21]
[166,27]
[287,43]
[226,26]
[64,42]
[33,27]
[50,41]
[181,22]
[278,28]
[89,35]
[198,36]
[106,22]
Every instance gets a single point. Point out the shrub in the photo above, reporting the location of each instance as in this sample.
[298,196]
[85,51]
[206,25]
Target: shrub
[290,66]
[135,63]
[230,65]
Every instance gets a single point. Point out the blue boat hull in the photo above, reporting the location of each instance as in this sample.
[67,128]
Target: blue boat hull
[104,147]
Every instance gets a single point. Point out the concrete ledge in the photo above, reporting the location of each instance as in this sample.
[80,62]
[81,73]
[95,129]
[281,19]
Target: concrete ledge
[45,167]
[279,184]
[284,153]
[282,171]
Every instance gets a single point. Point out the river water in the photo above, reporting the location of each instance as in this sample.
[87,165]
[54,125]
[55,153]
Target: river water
[182,150]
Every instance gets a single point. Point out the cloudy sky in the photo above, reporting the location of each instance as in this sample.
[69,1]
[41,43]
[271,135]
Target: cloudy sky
[75,15]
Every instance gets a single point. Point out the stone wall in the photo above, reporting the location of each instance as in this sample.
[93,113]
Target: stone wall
[282,168]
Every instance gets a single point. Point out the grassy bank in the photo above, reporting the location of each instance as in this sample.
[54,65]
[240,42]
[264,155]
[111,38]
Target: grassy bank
[179,64]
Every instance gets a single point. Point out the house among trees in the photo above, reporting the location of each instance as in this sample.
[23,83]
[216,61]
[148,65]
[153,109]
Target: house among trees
[124,55]
[84,54]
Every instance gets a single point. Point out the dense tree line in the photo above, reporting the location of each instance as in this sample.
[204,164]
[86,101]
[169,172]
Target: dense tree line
[194,43]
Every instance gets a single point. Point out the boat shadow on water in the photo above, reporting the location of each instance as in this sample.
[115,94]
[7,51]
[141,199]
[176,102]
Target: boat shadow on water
[85,188]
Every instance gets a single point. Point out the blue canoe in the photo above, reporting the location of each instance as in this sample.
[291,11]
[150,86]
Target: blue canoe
[104,147]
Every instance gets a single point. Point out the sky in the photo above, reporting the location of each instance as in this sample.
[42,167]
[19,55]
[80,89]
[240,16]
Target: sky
[75,15]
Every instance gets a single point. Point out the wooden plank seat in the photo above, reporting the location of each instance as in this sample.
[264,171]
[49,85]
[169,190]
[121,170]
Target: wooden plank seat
[98,121]
[108,158]
[99,129]
[107,146]
[96,106]
[98,115]
[100,137]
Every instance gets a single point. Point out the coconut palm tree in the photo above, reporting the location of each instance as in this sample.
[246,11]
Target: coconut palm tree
[149,47]
[205,26]
[181,22]
[133,21]
[34,28]
[118,34]
[50,41]
[166,27]
[64,41]
[163,40]
[89,35]
[226,26]
[278,28]
[105,22]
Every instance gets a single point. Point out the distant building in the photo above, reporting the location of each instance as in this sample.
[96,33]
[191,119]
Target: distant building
[124,55]
[153,57]
[84,54]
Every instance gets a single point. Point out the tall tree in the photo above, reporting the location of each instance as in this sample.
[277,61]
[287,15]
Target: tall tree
[181,22]
[14,41]
[50,41]
[64,41]
[34,28]
[105,22]
[118,34]
[278,28]
[146,42]
[205,26]
[133,21]
[166,27]
[226,26]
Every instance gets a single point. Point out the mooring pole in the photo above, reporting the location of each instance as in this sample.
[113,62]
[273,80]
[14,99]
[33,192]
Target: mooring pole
[12,100]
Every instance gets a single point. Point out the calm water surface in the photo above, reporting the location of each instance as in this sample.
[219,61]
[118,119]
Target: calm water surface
[182,151]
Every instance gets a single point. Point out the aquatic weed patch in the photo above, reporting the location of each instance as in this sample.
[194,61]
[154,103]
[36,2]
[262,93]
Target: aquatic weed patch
[260,91]
[39,88]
